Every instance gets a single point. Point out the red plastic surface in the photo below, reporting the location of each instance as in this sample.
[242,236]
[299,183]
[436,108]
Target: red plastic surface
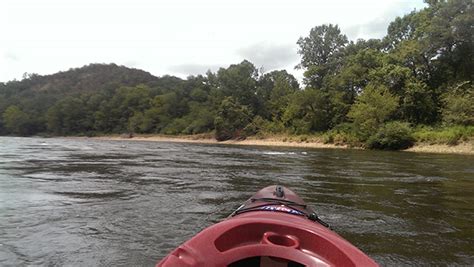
[269,234]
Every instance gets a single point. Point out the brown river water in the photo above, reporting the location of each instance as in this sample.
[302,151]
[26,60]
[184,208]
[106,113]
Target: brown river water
[80,202]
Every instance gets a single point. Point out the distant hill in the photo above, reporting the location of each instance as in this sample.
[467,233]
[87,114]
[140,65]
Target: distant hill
[35,94]
[88,78]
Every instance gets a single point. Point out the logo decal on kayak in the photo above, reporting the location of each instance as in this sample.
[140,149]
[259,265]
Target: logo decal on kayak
[282,209]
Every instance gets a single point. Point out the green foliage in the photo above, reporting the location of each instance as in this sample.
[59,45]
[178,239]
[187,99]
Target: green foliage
[391,136]
[354,73]
[69,116]
[418,103]
[322,43]
[239,82]
[373,107]
[255,126]
[449,32]
[231,119]
[343,134]
[319,51]
[451,135]
[176,126]
[273,127]
[16,121]
[274,92]
[201,119]
[307,111]
[136,123]
[401,29]
[458,105]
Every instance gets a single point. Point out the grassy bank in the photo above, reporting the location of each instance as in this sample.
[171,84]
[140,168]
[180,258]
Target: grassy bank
[452,136]
[400,136]
[453,140]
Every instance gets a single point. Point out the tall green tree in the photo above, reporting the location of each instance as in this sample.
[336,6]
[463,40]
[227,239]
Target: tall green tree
[240,82]
[355,73]
[417,105]
[458,105]
[231,119]
[373,107]
[274,91]
[318,50]
[70,116]
[417,101]
[449,40]
[307,111]
[16,121]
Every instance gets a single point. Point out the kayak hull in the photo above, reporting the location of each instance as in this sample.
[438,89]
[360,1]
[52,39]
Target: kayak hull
[268,230]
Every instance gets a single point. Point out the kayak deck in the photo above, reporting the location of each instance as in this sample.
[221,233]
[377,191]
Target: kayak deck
[268,230]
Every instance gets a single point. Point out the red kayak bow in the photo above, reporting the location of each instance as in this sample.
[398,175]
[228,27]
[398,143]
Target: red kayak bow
[273,228]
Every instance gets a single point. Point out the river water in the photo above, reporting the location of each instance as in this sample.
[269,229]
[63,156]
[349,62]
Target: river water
[87,202]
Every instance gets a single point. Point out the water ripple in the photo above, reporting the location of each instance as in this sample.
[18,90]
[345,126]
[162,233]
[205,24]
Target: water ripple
[129,203]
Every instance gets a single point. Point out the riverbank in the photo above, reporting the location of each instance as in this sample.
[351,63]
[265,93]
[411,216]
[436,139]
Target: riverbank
[466,148]
[205,139]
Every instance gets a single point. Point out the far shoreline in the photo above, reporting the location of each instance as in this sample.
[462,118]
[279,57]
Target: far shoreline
[465,148]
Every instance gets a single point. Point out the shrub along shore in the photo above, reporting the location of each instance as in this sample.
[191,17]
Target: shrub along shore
[454,140]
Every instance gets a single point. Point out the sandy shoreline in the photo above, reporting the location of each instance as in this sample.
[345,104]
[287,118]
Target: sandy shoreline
[463,148]
[248,142]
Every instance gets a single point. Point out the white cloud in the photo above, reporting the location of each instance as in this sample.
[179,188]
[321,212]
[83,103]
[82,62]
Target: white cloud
[193,69]
[376,27]
[270,56]
[10,56]
[175,36]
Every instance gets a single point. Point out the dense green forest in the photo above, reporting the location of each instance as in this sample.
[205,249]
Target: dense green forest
[416,83]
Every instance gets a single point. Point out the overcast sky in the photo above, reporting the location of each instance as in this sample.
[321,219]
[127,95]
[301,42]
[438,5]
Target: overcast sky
[177,37]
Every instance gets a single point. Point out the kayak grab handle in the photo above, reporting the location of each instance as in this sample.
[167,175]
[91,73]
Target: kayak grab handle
[279,192]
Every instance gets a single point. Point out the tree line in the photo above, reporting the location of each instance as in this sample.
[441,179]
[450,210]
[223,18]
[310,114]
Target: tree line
[367,92]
